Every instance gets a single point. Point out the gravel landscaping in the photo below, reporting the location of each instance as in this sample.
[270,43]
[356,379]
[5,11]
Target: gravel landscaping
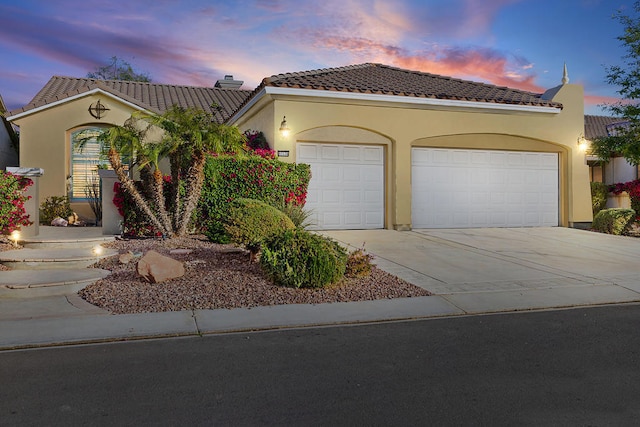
[220,276]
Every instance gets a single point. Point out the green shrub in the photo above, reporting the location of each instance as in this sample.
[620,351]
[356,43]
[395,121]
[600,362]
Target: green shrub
[599,193]
[250,222]
[359,264]
[300,217]
[299,259]
[55,206]
[228,178]
[613,221]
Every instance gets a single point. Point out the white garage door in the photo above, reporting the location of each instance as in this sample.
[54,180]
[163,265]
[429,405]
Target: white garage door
[346,190]
[481,188]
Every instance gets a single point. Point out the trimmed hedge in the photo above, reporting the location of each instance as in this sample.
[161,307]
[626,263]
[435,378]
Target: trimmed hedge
[299,259]
[613,221]
[599,193]
[250,222]
[228,178]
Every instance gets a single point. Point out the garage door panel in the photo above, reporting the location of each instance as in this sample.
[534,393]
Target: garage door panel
[352,196]
[352,218]
[351,175]
[307,152]
[373,219]
[329,152]
[373,155]
[351,154]
[346,190]
[493,188]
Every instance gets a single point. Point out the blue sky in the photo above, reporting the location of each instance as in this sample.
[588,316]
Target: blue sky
[517,43]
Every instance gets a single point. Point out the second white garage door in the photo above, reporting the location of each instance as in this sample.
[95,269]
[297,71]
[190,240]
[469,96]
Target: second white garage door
[347,185]
[454,188]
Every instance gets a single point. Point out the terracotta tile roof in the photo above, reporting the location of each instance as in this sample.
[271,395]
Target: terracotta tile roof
[382,79]
[150,96]
[596,126]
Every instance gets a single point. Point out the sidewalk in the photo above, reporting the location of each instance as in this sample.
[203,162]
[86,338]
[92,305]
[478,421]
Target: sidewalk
[470,272]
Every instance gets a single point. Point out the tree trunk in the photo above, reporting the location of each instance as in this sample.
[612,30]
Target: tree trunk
[129,185]
[176,208]
[195,179]
[159,200]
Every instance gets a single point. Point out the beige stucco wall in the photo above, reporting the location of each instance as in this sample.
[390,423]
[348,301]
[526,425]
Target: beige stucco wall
[45,140]
[399,127]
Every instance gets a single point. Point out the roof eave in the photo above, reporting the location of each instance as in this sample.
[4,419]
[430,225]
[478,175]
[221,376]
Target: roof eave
[247,106]
[78,96]
[395,99]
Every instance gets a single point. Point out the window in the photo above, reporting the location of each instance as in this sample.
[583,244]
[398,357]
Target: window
[85,158]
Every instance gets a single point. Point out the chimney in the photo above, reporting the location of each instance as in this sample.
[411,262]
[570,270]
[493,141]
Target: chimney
[229,83]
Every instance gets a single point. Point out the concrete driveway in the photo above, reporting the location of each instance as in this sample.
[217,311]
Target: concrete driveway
[480,270]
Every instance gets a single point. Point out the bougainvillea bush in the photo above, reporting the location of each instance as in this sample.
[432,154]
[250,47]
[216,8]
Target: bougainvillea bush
[13,215]
[633,189]
[252,177]
[256,140]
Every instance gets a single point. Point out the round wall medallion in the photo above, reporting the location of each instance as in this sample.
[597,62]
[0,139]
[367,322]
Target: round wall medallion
[98,110]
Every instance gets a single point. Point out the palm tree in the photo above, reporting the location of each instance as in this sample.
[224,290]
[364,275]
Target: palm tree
[188,136]
[129,142]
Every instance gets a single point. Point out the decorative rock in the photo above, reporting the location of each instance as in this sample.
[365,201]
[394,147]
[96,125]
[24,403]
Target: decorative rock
[156,268]
[59,222]
[126,258]
[73,219]
[180,251]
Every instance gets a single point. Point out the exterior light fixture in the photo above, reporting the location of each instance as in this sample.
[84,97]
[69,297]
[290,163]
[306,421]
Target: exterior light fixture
[284,129]
[583,144]
[15,236]
[97,250]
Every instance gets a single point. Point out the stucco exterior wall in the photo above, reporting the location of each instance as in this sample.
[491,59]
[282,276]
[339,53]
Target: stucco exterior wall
[403,126]
[619,170]
[45,141]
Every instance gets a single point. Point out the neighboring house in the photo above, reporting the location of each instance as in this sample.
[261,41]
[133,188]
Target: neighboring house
[8,148]
[617,169]
[388,147]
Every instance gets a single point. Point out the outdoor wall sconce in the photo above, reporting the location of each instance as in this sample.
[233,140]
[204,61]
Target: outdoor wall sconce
[284,129]
[583,144]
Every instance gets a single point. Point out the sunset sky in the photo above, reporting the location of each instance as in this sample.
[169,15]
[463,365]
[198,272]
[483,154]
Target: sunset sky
[522,44]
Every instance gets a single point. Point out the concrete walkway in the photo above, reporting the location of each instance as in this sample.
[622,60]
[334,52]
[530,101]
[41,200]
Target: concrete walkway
[469,271]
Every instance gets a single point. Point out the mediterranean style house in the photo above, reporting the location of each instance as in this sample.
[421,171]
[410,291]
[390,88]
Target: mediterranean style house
[388,147]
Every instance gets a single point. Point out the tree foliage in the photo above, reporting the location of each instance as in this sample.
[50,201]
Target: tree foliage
[625,140]
[118,69]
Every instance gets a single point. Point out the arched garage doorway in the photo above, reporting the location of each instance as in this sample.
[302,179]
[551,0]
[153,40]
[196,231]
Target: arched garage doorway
[517,184]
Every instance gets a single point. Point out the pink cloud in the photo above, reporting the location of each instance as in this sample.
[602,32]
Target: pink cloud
[483,64]
[599,100]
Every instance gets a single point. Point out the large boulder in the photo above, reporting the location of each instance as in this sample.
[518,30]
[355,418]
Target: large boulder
[156,268]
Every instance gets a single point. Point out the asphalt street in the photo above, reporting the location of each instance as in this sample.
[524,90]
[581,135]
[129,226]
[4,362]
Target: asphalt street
[567,367]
